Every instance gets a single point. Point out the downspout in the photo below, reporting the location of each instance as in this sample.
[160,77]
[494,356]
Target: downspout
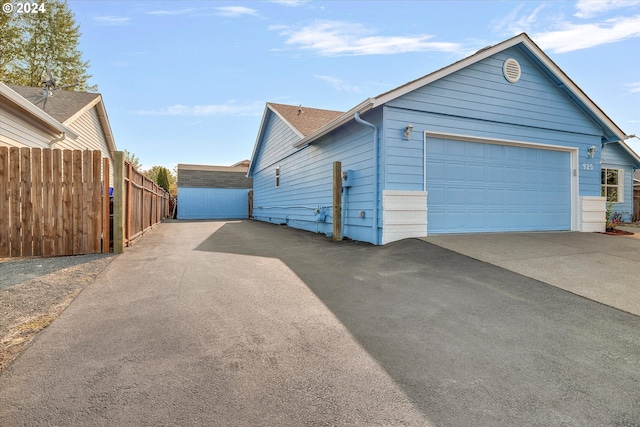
[52,143]
[375,172]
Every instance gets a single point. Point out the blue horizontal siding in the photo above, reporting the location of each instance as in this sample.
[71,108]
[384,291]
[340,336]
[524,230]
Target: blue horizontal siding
[306,180]
[212,203]
[276,142]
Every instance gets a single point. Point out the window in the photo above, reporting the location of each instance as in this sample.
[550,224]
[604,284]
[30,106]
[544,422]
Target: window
[613,184]
[278,176]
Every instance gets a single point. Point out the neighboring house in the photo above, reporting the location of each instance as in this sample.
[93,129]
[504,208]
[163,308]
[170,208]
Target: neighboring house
[502,140]
[213,192]
[70,120]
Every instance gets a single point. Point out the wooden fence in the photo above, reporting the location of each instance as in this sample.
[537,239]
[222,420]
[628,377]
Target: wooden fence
[57,203]
[146,205]
[636,204]
[53,202]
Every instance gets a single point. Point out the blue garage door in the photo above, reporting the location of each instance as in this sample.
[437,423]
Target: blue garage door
[477,187]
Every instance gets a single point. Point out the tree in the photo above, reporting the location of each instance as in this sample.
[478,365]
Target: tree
[132,159]
[158,173]
[9,38]
[48,38]
[163,179]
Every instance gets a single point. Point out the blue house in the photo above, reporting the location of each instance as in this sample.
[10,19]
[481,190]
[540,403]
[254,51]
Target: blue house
[500,141]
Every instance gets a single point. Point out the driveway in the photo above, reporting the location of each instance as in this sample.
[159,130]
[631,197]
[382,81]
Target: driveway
[252,324]
[600,267]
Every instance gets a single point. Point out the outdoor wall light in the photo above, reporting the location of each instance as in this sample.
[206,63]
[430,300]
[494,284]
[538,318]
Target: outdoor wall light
[407,131]
[591,151]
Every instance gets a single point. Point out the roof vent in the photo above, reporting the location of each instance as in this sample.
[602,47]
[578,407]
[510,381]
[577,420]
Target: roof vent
[511,70]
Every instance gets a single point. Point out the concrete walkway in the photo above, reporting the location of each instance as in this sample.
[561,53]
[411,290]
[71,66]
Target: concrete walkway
[603,268]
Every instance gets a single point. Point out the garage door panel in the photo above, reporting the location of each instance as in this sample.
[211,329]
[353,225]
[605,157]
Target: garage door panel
[476,187]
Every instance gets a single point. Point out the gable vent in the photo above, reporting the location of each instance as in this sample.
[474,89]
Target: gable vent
[511,70]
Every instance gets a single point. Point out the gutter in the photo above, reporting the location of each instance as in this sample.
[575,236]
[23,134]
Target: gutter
[374,226]
[346,117]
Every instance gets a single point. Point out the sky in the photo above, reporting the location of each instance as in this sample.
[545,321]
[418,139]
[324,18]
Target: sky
[187,81]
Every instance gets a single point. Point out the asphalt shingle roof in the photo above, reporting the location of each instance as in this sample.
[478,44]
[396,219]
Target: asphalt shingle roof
[62,105]
[306,120]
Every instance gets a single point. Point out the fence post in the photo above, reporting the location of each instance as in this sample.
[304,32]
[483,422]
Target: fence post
[118,202]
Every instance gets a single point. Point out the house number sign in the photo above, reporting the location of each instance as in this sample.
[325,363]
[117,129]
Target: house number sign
[587,166]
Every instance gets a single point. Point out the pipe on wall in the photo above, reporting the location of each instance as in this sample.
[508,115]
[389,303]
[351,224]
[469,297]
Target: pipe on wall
[375,171]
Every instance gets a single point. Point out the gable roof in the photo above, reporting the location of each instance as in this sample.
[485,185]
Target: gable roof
[529,48]
[303,120]
[66,106]
[19,102]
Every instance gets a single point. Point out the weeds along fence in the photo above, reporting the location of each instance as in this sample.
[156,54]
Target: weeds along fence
[53,202]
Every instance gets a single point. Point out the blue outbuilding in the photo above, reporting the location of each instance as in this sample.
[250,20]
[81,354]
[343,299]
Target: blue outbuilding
[213,192]
[500,141]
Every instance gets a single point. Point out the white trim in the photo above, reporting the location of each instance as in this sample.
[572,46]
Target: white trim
[339,121]
[497,141]
[35,113]
[404,215]
[457,66]
[573,160]
[277,113]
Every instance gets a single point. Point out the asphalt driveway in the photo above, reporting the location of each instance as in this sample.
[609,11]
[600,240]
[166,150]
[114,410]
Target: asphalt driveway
[245,323]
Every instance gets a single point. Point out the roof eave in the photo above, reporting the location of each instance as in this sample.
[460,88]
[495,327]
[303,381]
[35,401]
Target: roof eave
[337,122]
[56,128]
[267,108]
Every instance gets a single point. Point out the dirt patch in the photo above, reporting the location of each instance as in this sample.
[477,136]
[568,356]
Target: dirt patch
[30,306]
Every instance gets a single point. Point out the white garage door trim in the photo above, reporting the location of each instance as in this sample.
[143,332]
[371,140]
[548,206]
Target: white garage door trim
[508,142]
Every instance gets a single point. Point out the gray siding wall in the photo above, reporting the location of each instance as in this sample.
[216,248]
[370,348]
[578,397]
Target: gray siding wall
[213,179]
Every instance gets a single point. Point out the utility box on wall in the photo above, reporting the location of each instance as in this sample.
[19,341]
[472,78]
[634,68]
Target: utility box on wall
[347,178]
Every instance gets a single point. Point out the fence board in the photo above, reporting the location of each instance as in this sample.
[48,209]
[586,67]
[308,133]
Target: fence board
[78,229]
[47,204]
[67,203]
[4,207]
[36,179]
[87,201]
[96,212]
[26,205]
[14,214]
[59,196]
[106,211]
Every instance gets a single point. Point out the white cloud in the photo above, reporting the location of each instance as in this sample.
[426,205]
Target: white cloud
[590,8]
[569,37]
[633,87]
[334,38]
[228,11]
[233,11]
[338,84]
[228,109]
[112,20]
[293,3]
[173,12]
[514,23]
